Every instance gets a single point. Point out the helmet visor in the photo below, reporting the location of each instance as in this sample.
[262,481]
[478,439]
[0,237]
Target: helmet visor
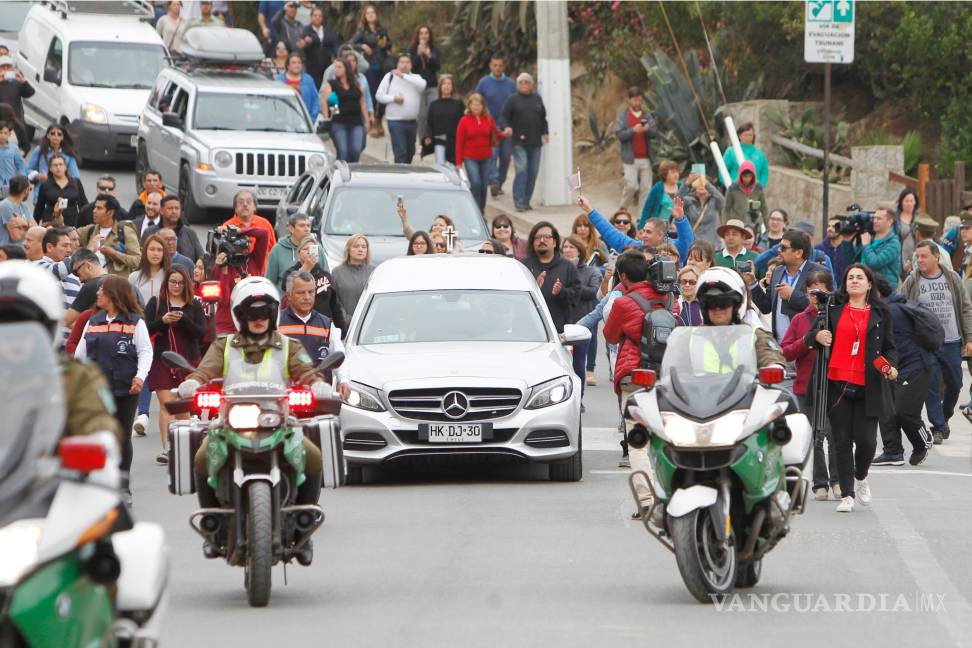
[256,311]
[719,301]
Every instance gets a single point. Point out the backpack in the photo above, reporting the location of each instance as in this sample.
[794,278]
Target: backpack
[928,332]
[657,325]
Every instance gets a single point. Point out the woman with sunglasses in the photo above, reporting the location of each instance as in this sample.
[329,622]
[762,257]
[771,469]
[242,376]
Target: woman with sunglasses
[689,309]
[56,140]
[175,322]
[624,223]
[502,230]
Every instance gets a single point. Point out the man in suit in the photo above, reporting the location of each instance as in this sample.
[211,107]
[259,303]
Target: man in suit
[151,218]
[786,295]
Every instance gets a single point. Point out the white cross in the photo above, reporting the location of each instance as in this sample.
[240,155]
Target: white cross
[450,235]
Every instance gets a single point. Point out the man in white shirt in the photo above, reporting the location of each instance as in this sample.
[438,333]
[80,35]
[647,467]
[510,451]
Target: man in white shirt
[401,91]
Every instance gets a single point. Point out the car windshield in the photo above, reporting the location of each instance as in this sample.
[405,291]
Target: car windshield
[371,211]
[13,14]
[250,112]
[115,65]
[708,350]
[452,316]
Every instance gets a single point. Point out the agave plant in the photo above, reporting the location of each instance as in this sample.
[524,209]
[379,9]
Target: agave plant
[601,126]
[807,129]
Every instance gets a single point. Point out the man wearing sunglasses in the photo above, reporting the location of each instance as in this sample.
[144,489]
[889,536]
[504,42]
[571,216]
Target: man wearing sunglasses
[107,185]
[786,295]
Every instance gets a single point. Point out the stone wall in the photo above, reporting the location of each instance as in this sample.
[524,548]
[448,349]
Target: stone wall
[802,196]
[869,177]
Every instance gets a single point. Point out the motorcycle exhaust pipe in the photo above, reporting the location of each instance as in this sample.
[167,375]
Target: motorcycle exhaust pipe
[305,520]
[637,437]
[780,433]
[210,523]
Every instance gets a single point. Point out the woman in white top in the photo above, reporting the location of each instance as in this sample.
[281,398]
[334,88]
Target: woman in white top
[155,262]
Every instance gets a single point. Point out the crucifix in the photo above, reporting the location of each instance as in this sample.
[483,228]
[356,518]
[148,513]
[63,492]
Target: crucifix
[450,235]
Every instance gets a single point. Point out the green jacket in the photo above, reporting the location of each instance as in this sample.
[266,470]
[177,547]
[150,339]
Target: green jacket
[283,256]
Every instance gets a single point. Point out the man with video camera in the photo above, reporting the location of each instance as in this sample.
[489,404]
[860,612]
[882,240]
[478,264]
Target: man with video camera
[238,253]
[873,241]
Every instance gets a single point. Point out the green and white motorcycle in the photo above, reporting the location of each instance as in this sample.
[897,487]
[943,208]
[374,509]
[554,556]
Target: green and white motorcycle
[74,569]
[726,448]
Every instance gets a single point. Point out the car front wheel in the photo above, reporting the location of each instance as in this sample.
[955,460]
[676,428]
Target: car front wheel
[572,468]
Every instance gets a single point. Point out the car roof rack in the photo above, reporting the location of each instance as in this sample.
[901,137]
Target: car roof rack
[449,172]
[141,9]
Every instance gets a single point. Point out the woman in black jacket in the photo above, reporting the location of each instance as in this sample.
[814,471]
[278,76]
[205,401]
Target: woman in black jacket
[858,330]
[574,250]
[60,197]
[444,115]
[374,41]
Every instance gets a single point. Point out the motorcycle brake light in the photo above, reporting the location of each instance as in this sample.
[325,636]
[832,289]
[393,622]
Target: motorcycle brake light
[208,400]
[210,291]
[644,377]
[82,455]
[300,398]
[771,375]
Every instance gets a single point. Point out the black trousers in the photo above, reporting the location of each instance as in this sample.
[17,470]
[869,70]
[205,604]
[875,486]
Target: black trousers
[855,436]
[909,398]
[125,408]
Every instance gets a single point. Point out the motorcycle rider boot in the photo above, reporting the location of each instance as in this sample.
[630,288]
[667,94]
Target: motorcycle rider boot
[846,505]
[863,491]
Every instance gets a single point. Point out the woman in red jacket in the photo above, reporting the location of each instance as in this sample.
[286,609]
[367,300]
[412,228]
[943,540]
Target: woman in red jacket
[795,350]
[475,138]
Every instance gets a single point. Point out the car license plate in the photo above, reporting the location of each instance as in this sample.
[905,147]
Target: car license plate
[270,193]
[455,432]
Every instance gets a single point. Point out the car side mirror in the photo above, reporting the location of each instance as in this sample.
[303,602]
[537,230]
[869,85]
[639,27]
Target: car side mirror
[52,75]
[575,334]
[172,120]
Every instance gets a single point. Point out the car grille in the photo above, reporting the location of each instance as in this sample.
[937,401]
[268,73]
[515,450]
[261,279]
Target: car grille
[270,164]
[500,435]
[705,459]
[426,404]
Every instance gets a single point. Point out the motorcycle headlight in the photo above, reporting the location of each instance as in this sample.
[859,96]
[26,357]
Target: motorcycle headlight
[93,114]
[315,161]
[19,542]
[550,393]
[223,159]
[244,417]
[724,431]
[364,397]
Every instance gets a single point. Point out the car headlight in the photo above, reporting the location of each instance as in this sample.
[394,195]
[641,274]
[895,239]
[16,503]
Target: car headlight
[315,161]
[244,417]
[550,393]
[223,159]
[724,431]
[93,114]
[19,542]
[364,397]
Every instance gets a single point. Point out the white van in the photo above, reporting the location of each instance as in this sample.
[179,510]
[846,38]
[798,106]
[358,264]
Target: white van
[92,65]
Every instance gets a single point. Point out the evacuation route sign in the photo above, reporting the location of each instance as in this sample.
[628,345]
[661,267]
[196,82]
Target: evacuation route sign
[828,33]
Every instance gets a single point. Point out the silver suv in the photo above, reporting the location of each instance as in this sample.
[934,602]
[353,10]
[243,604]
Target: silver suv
[212,132]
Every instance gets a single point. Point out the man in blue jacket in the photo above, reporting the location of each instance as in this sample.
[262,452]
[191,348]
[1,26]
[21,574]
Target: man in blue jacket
[655,231]
[496,88]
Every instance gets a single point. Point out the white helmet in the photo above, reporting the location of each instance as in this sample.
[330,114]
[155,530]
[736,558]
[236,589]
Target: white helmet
[721,281]
[29,292]
[255,292]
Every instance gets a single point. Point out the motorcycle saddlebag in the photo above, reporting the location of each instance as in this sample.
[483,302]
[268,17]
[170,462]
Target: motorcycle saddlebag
[325,432]
[185,437]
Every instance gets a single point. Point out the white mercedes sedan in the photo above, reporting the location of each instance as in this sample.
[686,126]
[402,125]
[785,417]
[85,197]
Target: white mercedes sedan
[458,355]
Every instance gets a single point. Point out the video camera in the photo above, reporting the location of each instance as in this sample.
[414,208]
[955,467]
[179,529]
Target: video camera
[234,243]
[857,221]
[752,211]
[663,274]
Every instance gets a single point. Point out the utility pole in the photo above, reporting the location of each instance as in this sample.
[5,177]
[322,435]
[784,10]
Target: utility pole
[553,84]
[826,147]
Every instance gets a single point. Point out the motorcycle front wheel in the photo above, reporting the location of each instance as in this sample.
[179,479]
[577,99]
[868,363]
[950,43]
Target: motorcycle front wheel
[259,544]
[708,566]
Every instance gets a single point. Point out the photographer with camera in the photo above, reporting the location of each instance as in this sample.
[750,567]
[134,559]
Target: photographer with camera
[787,296]
[231,248]
[936,287]
[869,239]
[745,199]
[653,234]
[245,215]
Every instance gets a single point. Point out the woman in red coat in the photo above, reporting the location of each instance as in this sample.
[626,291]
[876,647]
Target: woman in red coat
[475,139]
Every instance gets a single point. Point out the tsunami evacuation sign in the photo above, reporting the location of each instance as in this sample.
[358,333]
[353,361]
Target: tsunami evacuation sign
[828,32]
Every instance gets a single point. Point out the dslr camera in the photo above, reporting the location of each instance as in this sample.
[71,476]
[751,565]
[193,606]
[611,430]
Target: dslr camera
[662,274]
[234,243]
[856,221]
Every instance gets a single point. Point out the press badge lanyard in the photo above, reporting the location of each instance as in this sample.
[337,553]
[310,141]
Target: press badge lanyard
[857,329]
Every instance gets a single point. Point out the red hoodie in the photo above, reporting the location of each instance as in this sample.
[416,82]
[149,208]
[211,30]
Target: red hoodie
[623,327]
[747,166]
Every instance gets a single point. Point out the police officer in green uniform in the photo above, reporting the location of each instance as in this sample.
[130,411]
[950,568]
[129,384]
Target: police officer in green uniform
[257,352]
[29,293]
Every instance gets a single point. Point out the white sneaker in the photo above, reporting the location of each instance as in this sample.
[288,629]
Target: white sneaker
[140,424]
[846,505]
[863,491]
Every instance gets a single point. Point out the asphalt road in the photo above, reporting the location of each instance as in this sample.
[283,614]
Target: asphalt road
[498,555]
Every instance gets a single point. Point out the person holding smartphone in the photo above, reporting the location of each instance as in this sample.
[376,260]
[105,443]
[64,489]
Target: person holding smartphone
[326,300]
[858,331]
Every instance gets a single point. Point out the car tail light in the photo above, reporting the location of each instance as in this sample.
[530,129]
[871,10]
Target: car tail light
[83,455]
[208,400]
[644,377]
[210,291]
[301,398]
[771,375]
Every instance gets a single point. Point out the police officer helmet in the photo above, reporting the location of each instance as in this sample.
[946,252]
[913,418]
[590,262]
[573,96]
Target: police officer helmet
[720,287]
[29,292]
[255,298]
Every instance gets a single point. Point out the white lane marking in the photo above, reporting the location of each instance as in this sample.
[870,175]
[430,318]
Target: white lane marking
[889,471]
[928,574]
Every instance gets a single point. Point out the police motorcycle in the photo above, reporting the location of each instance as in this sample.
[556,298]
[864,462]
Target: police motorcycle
[253,430]
[726,449]
[75,570]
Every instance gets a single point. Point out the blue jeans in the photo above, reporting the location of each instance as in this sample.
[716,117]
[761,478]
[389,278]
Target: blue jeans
[403,134]
[945,363]
[579,362]
[144,400]
[592,349]
[526,160]
[348,140]
[500,162]
[478,171]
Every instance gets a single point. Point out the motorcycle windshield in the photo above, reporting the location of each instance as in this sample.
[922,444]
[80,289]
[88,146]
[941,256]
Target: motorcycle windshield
[33,407]
[707,369]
